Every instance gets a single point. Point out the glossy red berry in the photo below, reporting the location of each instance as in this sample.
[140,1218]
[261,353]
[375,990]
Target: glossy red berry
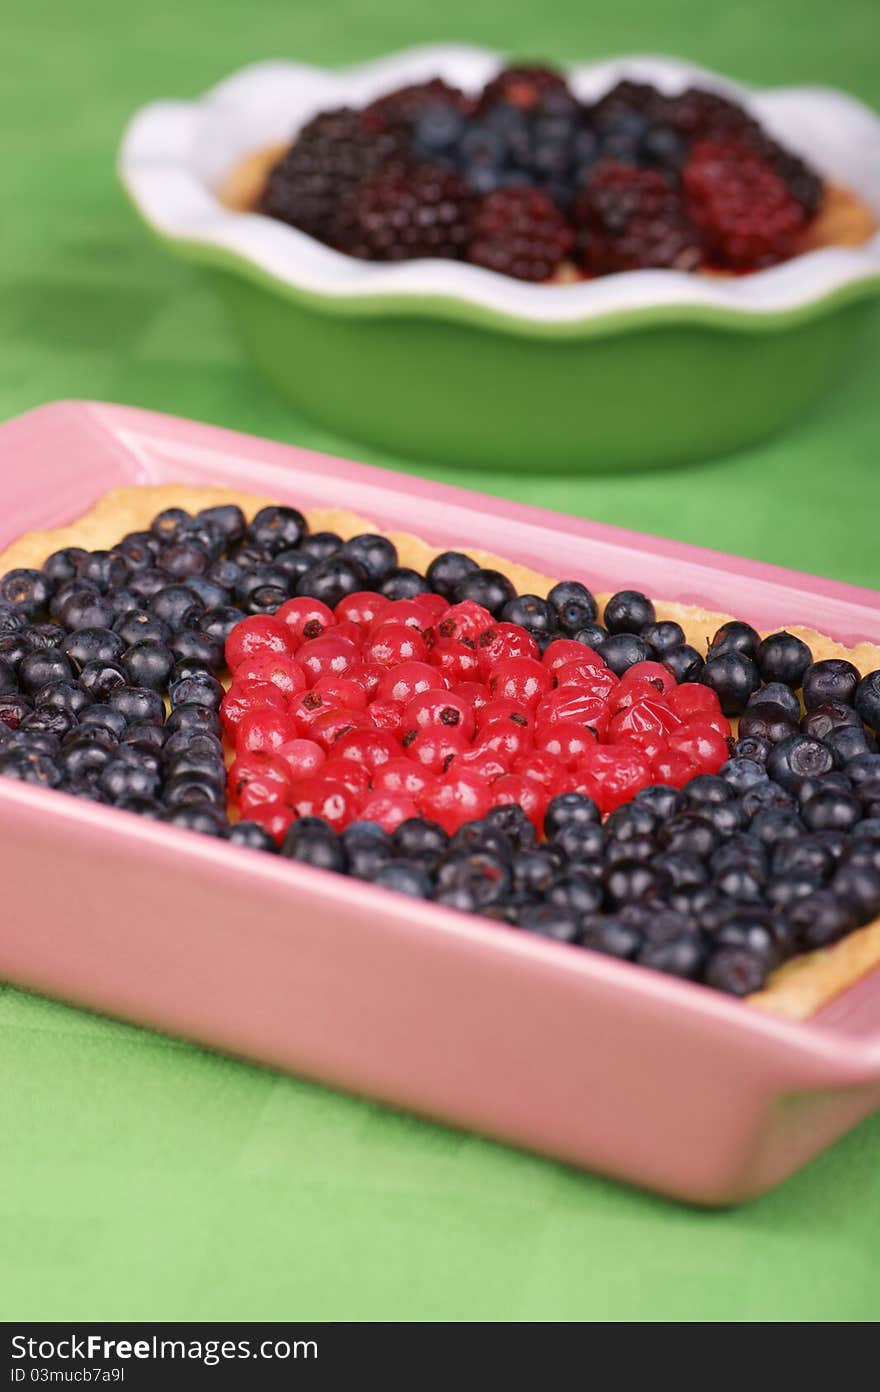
[403,776]
[257,779]
[394,643]
[542,767]
[388,809]
[509,738]
[279,670]
[520,679]
[526,793]
[692,699]
[264,730]
[329,656]
[434,746]
[354,777]
[408,680]
[386,715]
[570,704]
[456,660]
[464,620]
[303,757]
[335,722]
[485,762]
[643,715]
[504,640]
[565,742]
[702,744]
[323,796]
[305,618]
[613,776]
[442,709]
[241,700]
[362,608]
[462,796]
[562,651]
[368,747]
[415,613]
[673,767]
[255,637]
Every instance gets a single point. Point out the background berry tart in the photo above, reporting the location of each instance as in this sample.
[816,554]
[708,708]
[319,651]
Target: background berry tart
[525,179]
[614,772]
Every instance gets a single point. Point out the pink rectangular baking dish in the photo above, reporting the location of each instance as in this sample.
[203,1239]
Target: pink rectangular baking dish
[595,1062]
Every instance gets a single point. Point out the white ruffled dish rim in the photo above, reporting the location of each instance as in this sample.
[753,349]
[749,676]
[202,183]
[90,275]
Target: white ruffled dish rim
[174,156]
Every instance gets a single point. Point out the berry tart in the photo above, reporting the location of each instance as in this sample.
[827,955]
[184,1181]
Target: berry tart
[614,772]
[523,178]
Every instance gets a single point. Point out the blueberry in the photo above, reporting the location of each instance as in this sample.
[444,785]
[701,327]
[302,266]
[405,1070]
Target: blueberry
[137,704]
[682,871]
[512,820]
[663,801]
[148,664]
[733,637]
[530,612]
[62,565]
[11,619]
[628,611]
[98,679]
[192,645]
[737,970]
[406,877]
[193,718]
[832,679]
[550,921]
[120,779]
[821,918]
[84,758]
[766,721]
[575,892]
[123,602]
[631,881]
[103,568]
[104,718]
[321,545]
[140,550]
[183,789]
[220,621]
[688,833]
[482,835]
[177,606]
[147,583]
[573,618]
[831,715]
[8,679]
[679,956]
[448,570]
[572,593]
[376,554]
[632,821]
[475,877]
[733,677]
[613,936]
[420,839]
[581,845]
[312,842]
[41,637]
[783,658]
[743,774]
[13,709]
[38,669]
[366,854]
[777,694]
[26,590]
[639,848]
[226,573]
[754,749]
[333,579]
[187,740]
[201,688]
[211,595]
[796,758]
[774,826]
[765,795]
[403,583]
[859,886]
[30,766]
[93,645]
[535,870]
[487,587]
[570,809]
[168,523]
[277,528]
[87,609]
[228,518]
[867,700]
[623,650]
[848,742]
[151,736]
[592,635]
[198,816]
[62,695]
[252,835]
[664,636]
[139,624]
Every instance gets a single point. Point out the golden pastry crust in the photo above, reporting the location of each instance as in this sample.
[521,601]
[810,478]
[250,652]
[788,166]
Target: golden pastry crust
[843,219]
[795,990]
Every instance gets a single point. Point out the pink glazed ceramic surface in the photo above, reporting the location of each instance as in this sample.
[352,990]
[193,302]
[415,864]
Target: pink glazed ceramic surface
[597,1063]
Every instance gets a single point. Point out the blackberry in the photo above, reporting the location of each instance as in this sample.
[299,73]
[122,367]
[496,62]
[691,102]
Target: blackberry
[309,185]
[519,232]
[745,213]
[421,211]
[399,112]
[522,85]
[630,219]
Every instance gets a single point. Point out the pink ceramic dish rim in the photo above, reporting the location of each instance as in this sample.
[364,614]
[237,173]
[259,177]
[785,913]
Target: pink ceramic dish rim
[839,1046]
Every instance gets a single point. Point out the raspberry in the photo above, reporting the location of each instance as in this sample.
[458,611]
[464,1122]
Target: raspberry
[522,86]
[424,210]
[699,113]
[629,219]
[328,158]
[399,111]
[520,232]
[745,211]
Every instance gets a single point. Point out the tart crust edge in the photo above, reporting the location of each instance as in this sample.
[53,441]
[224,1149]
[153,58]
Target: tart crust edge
[796,990]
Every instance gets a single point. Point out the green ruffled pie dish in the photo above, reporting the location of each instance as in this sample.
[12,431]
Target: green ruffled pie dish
[446,361]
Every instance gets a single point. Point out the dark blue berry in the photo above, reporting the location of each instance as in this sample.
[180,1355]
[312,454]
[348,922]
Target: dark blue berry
[733,677]
[767,721]
[277,528]
[312,842]
[446,572]
[550,920]
[192,645]
[531,612]
[38,669]
[420,839]
[571,599]
[623,650]
[138,704]
[867,700]
[592,635]
[782,657]
[628,611]
[177,606]
[570,809]
[832,679]
[406,877]
[252,835]
[26,590]
[219,622]
[664,636]
[477,878]
[487,587]
[376,554]
[777,694]
[333,579]
[148,663]
[796,758]
[228,518]
[403,583]
[139,624]
[738,970]
[87,645]
[198,816]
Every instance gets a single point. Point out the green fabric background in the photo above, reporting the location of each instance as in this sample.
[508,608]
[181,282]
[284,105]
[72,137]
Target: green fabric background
[143,1178]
